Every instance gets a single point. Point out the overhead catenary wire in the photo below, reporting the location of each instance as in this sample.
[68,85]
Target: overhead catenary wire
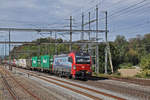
[133,26]
[134,8]
[131,10]
[122,10]
[116,3]
[129,34]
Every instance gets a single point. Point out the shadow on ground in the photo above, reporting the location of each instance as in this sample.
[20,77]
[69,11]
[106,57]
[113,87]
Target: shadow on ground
[95,78]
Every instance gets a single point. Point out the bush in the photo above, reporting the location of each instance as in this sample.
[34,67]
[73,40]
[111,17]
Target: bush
[145,65]
[125,65]
[144,74]
[145,62]
[117,73]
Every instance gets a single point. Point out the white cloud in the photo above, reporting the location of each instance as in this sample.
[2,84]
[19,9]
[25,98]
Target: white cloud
[41,12]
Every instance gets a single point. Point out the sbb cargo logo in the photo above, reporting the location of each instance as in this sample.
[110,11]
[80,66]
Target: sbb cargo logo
[44,60]
[34,61]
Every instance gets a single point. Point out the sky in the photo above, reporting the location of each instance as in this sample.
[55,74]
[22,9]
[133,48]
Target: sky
[125,17]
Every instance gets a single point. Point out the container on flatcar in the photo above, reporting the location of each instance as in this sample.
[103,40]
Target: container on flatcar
[22,63]
[34,62]
[46,62]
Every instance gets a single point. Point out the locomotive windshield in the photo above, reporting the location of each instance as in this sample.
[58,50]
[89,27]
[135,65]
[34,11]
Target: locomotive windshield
[82,59]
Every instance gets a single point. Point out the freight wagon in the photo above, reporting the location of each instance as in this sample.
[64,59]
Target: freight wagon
[35,63]
[46,63]
[22,63]
[42,63]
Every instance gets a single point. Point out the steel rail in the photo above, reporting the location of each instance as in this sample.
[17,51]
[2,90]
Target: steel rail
[29,92]
[11,92]
[86,88]
[74,90]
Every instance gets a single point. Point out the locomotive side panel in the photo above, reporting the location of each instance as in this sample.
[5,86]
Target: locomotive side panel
[61,65]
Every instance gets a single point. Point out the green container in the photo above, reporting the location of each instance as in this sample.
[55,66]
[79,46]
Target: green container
[45,62]
[35,61]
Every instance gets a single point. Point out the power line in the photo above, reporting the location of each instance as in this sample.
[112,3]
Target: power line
[133,26]
[79,9]
[31,22]
[122,10]
[110,7]
[125,12]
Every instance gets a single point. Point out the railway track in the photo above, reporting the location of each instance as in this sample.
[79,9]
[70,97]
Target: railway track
[8,87]
[58,81]
[5,72]
[142,82]
[131,92]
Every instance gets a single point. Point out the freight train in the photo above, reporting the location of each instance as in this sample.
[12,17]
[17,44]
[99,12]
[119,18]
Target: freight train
[73,65]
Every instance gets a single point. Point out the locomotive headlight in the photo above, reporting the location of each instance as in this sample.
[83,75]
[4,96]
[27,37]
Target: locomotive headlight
[83,67]
[74,67]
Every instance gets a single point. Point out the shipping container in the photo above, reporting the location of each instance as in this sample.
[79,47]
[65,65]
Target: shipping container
[45,62]
[22,63]
[35,61]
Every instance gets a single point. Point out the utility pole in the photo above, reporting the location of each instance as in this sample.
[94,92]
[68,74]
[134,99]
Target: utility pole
[89,25]
[82,27]
[10,67]
[106,57]
[97,22]
[110,59]
[106,49]
[49,42]
[5,49]
[55,43]
[48,47]
[89,46]
[39,43]
[70,47]
[97,48]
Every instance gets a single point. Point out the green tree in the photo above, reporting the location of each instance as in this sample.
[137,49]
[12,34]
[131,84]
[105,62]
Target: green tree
[145,62]
[145,65]
[121,45]
[146,42]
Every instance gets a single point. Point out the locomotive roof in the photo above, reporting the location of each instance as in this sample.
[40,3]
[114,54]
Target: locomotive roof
[76,53]
[81,54]
[62,55]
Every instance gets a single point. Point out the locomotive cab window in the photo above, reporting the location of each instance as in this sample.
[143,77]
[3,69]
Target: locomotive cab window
[82,59]
[70,60]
